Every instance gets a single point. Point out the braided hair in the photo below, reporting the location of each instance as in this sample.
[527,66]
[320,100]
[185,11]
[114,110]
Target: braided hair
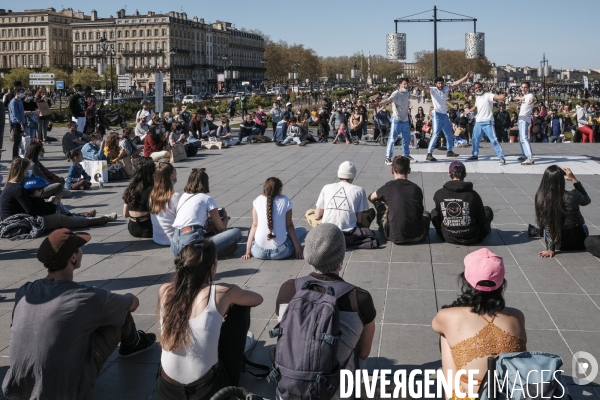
[271,189]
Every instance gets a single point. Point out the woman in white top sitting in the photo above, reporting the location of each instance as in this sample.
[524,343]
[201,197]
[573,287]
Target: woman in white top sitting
[163,203]
[272,236]
[195,209]
[204,327]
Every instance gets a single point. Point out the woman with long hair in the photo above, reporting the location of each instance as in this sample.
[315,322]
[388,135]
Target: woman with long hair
[163,203]
[56,184]
[136,200]
[419,119]
[198,216]
[44,120]
[557,212]
[112,151]
[155,141]
[478,324]
[204,327]
[127,143]
[272,235]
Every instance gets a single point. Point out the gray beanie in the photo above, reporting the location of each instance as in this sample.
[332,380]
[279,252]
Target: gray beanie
[324,248]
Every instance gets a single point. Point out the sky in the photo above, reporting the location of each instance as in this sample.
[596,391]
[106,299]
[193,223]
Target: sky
[517,32]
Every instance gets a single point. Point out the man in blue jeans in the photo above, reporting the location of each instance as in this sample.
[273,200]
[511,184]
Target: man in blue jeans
[484,121]
[16,116]
[441,122]
[527,100]
[400,123]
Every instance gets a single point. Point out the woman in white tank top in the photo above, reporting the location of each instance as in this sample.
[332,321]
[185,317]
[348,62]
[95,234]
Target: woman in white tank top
[203,327]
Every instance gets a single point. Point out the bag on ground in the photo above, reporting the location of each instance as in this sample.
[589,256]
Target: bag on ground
[306,364]
[178,153]
[25,142]
[190,149]
[97,170]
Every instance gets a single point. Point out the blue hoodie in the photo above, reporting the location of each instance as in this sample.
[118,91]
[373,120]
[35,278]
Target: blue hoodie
[92,152]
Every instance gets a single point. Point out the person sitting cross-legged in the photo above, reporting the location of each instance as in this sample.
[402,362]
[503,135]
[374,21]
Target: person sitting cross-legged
[399,204]
[345,205]
[63,331]
[459,216]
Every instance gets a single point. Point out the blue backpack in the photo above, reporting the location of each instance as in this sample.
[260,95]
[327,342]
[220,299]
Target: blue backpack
[519,376]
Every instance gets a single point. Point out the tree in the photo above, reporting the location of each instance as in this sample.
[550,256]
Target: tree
[59,75]
[450,62]
[281,58]
[17,75]
[87,77]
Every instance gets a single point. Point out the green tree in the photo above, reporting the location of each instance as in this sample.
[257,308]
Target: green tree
[87,77]
[17,75]
[59,75]
[450,62]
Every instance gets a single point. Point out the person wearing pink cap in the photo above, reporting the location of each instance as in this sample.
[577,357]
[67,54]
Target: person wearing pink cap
[478,324]
[459,216]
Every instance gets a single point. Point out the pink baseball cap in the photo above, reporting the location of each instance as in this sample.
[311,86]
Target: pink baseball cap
[484,270]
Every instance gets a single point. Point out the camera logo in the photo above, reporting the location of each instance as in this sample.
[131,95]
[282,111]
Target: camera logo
[584,368]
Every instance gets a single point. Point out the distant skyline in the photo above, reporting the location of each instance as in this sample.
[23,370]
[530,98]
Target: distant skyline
[516,32]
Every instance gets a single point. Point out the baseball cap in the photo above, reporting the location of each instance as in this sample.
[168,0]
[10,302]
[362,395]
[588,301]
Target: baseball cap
[59,246]
[484,270]
[288,104]
[35,182]
[456,164]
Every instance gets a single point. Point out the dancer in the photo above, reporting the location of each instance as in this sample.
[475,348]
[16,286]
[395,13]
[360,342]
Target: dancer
[484,121]
[400,123]
[441,122]
[527,100]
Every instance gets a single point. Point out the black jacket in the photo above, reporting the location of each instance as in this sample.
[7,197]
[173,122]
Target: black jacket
[501,120]
[461,212]
[572,230]
[77,106]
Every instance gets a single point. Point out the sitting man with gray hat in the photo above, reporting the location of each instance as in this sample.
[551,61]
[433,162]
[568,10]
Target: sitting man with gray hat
[324,251]
[345,205]
[62,331]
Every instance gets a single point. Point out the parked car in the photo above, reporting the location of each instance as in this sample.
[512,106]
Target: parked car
[118,101]
[190,99]
[177,98]
[205,96]
[148,99]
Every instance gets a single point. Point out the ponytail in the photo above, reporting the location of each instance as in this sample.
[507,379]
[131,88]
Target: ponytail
[271,189]
[72,154]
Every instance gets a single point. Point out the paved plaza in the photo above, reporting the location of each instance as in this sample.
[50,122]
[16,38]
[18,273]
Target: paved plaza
[559,296]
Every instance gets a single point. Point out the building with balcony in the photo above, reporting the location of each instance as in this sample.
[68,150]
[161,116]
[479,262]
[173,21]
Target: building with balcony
[37,38]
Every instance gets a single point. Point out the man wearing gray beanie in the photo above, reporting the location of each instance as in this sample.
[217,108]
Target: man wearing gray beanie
[345,205]
[324,250]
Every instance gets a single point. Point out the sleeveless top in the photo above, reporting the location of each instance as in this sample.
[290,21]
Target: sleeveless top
[490,340]
[192,363]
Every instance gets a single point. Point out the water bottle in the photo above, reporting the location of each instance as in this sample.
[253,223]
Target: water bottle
[100,183]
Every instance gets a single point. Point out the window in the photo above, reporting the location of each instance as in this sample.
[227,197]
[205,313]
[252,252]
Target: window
[84,48]
[37,60]
[22,32]
[149,46]
[10,33]
[126,33]
[35,32]
[17,46]
[29,45]
[29,32]
[133,33]
[98,35]
[118,34]
[142,46]
[84,36]
[3,32]
[54,32]
[155,32]
[37,45]
[43,30]
[24,61]
[126,46]
[112,34]
[164,46]
[120,48]
[3,46]
[60,32]
[156,46]
[164,32]
[133,47]
[43,56]
[53,45]
[84,62]
[77,48]
[43,45]
[16,61]
[77,36]
[10,46]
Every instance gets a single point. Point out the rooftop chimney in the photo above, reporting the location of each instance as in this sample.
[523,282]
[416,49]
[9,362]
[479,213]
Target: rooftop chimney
[195,18]
[121,13]
[150,13]
[94,15]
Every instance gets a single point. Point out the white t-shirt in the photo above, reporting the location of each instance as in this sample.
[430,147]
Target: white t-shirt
[400,105]
[162,224]
[526,108]
[485,107]
[340,202]
[193,209]
[281,205]
[438,98]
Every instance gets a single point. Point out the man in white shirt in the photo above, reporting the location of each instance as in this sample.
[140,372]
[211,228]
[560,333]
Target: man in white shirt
[484,121]
[400,124]
[144,114]
[440,120]
[527,100]
[344,204]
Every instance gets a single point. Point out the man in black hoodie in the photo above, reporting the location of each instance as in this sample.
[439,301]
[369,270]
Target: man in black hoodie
[459,216]
[77,107]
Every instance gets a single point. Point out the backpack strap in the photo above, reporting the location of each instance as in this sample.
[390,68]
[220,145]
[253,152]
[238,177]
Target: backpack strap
[333,288]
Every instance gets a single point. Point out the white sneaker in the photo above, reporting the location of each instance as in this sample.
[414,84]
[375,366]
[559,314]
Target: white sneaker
[387,161]
[502,161]
[529,161]
[112,216]
[250,343]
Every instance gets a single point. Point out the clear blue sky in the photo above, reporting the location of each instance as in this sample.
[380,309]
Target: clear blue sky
[517,32]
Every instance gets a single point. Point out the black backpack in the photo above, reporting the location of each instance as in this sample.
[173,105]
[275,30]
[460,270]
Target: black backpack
[306,364]
[190,150]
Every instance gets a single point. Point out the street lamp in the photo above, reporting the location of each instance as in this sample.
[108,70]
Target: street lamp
[544,71]
[355,74]
[294,75]
[105,45]
[172,52]
[263,63]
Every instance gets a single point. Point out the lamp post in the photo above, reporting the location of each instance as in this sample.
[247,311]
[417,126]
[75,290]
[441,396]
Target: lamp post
[263,63]
[544,69]
[172,52]
[109,51]
[355,74]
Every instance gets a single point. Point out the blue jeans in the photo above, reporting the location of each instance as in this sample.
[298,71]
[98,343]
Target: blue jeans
[282,252]
[486,127]
[440,122]
[31,132]
[290,138]
[398,127]
[222,240]
[248,136]
[524,138]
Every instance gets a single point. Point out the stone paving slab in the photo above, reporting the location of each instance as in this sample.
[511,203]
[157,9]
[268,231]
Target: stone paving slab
[559,296]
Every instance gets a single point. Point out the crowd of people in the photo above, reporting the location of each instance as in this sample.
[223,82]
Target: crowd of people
[63,331]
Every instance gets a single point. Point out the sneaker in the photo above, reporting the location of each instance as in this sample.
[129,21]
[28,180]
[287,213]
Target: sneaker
[502,161]
[522,159]
[529,161]
[388,161]
[430,157]
[250,343]
[451,154]
[279,143]
[145,342]
[473,158]
[411,159]
[303,143]
[111,216]
[533,231]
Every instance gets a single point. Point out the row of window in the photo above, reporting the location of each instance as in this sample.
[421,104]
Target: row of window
[23,19]
[31,61]
[20,46]
[23,32]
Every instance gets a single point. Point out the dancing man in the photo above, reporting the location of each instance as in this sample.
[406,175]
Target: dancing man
[527,100]
[400,123]
[441,122]
[484,121]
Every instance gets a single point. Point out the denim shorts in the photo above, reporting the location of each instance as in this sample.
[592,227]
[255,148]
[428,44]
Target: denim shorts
[284,251]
